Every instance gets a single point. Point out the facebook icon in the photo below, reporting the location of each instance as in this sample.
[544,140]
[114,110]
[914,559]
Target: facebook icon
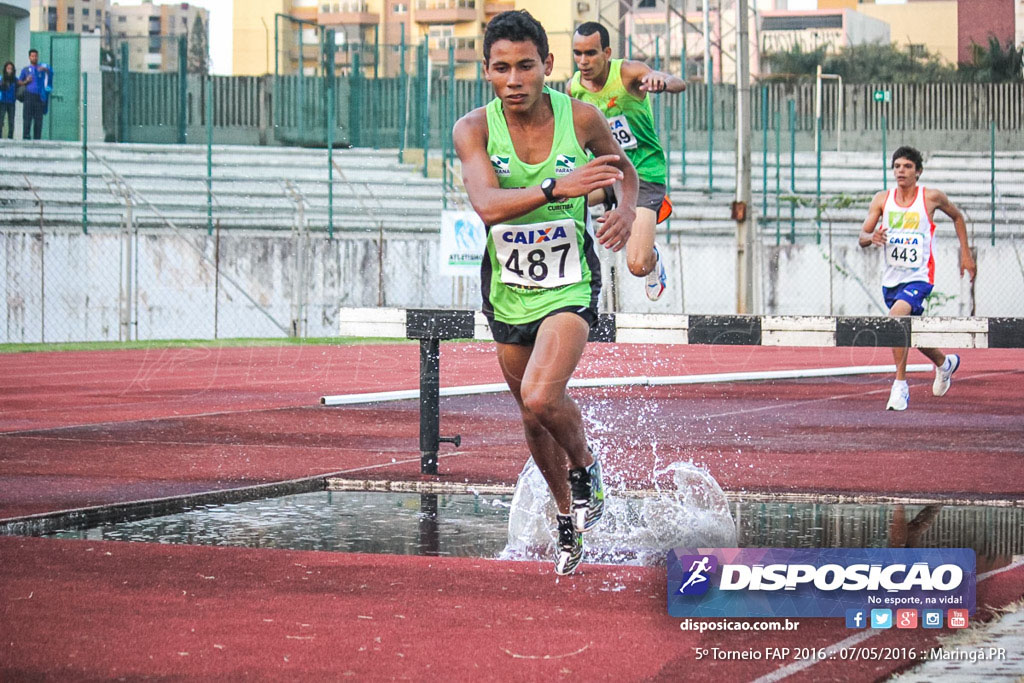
[856,618]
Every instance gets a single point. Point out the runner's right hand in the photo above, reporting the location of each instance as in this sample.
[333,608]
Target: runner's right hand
[595,174]
[878,237]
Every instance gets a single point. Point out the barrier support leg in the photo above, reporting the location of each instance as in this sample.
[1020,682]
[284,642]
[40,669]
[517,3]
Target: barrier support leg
[430,409]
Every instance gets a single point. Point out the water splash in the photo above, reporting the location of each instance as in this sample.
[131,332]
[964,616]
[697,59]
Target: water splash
[687,508]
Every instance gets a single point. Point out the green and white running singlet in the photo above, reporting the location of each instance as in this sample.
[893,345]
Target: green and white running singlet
[631,120]
[545,259]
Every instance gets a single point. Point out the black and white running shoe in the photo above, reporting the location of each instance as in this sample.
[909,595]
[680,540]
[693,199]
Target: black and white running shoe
[570,546]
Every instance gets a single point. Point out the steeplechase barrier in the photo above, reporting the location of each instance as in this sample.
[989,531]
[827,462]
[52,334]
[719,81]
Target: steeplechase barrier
[431,326]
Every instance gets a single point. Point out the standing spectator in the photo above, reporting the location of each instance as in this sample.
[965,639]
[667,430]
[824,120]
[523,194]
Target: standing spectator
[8,89]
[35,77]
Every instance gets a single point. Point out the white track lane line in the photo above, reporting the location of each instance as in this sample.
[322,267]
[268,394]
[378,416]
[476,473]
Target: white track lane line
[599,382]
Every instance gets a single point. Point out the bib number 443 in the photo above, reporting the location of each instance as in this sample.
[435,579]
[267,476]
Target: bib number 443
[905,249]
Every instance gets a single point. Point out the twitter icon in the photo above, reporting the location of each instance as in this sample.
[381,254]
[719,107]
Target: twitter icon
[881,618]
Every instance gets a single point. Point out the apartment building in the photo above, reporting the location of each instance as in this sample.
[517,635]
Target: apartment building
[69,16]
[151,31]
[450,28]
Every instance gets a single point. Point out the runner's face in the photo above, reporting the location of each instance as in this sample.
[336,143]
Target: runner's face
[590,59]
[33,58]
[905,172]
[516,72]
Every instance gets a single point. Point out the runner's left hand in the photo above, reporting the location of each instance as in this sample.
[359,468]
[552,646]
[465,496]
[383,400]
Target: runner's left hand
[967,264]
[615,227]
[652,82]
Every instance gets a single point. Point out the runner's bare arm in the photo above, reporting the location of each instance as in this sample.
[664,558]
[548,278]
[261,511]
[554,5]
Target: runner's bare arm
[593,133]
[868,236]
[640,78]
[940,201]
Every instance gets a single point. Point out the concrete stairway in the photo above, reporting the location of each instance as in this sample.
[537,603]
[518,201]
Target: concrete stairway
[252,187]
[258,188]
[848,182]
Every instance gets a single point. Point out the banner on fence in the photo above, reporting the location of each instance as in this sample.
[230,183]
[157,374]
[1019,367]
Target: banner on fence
[463,240]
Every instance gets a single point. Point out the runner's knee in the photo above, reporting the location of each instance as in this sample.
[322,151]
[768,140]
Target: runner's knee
[639,264]
[540,404]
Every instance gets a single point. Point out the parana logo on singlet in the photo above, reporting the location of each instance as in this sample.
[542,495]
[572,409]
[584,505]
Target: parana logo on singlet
[820,582]
[500,164]
[564,164]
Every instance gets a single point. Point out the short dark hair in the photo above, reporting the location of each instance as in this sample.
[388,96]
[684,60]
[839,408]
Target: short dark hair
[909,153]
[33,50]
[589,28]
[517,26]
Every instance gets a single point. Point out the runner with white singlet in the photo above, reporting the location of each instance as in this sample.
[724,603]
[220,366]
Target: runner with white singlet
[907,234]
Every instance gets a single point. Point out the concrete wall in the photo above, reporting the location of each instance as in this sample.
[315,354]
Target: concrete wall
[15,36]
[1019,32]
[978,20]
[70,286]
[90,64]
[253,35]
[18,11]
[932,24]
[861,29]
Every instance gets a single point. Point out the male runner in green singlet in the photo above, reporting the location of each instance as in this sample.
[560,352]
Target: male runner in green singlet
[619,88]
[524,165]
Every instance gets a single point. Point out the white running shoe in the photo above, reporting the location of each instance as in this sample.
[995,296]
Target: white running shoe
[657,278]
[898,397]
[943,378]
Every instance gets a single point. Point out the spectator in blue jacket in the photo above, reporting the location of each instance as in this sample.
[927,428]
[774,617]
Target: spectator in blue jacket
[8,89]
[36,79]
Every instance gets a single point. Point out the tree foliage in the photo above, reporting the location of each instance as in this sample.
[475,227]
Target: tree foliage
[198,48]
[866,63]
[877,63]
[997,64]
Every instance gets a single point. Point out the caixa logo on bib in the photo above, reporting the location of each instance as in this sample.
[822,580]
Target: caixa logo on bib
[787,582]
[555,232]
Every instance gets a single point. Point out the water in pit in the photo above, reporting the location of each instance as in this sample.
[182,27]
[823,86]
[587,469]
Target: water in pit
[478,526]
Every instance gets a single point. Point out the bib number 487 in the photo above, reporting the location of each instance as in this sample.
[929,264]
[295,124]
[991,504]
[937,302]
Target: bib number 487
[538,254]
[536,263]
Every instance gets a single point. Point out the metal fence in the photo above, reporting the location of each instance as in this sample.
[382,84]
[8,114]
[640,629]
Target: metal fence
[406,95]
[194,242]
[139,242]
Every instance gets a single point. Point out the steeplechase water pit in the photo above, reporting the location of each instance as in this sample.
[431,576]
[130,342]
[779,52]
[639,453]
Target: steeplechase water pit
[517,524]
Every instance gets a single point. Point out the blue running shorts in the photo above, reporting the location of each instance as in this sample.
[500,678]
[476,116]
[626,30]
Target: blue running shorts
[914,293]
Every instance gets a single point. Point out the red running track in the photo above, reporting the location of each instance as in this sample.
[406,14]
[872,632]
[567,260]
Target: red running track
[87,610]
[92,428]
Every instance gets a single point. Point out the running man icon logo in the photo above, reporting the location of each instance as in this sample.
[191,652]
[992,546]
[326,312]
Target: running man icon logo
[696,580]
